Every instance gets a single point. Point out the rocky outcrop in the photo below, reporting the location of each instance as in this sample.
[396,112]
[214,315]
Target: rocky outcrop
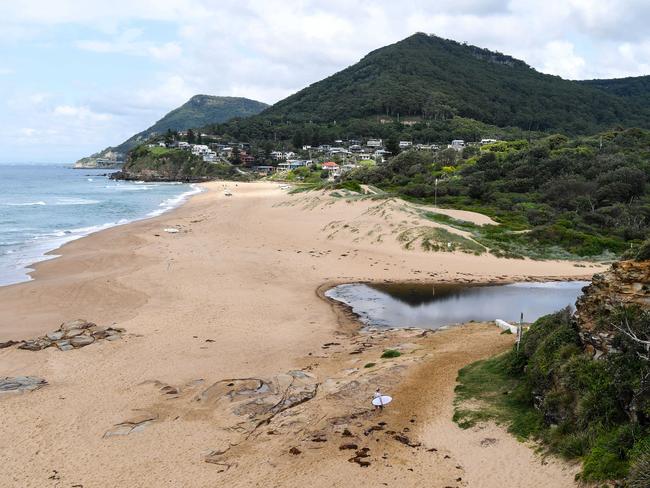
[73,334]
[20,384]
[104,160]
[625,283]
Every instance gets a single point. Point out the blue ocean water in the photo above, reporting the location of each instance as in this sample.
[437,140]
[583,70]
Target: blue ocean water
[43,206]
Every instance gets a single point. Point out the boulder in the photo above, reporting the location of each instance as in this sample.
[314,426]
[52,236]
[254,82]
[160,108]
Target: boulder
[64,345]
[55,335]
[35,344]
[20,384]
[4,345]
[82,340]
[73,333]
[76,324]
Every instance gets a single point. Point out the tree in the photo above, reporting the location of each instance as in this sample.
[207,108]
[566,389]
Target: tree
[191,138]
[392,145]
[169,137]
[236,155]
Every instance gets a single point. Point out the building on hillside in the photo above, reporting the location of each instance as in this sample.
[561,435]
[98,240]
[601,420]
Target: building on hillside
[278,155]
[209,156]
[183,145]
[405,144]
[200,149]
[332,168]
[457,144]
[264,170]
[246,159]
[487,141]
[374,143]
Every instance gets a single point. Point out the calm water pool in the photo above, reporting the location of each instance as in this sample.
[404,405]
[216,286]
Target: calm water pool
[431,306]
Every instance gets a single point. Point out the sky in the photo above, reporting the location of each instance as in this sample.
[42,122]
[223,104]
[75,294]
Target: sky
[80,75]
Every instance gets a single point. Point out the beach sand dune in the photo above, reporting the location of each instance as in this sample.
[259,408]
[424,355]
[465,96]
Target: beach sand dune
[230,355]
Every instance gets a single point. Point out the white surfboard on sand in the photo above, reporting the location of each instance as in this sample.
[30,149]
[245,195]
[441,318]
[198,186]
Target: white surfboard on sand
[382,400]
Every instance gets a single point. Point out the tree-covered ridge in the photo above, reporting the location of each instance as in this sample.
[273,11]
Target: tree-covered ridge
[428,77]
[198,111]
[586,196]
[634,88]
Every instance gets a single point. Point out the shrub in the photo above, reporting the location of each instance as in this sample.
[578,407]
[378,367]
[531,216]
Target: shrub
[643,253]
[369,365]
[390,353]
[639,476]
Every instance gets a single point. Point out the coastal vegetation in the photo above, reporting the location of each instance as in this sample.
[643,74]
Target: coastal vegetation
[163,164]
[556,196]
[579,403]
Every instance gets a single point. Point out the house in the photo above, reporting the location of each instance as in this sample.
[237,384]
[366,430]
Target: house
[209,156]
[263,169]
[409,123]
[183,145]
[246,159]
[200,149]
[405,144]
[332,168]
[457,144]
[355,148]
[374,143]
[306,148]
[293,164]
[487,141]
[277,155]
[162,144]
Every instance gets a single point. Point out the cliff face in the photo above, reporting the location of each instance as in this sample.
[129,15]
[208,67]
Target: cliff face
[625,283]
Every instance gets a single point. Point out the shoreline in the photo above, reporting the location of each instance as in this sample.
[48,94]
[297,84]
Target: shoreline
[234,297]
[48,251]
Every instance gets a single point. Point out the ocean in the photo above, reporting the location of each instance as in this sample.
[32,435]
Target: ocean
[43,206]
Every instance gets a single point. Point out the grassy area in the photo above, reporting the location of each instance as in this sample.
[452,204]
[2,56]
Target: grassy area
[486,391]
[508,240]
[436,239]
[158,151]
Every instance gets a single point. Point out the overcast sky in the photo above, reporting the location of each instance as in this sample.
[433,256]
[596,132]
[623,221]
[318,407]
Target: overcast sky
[79,75]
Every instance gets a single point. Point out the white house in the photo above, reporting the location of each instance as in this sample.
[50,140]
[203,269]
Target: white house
[183,145]
[374,143]
[200,149]
[457,144]
[487,141]
[405,144]
[209,156]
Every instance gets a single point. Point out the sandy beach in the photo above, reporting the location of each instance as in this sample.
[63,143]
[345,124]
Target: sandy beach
[234,371]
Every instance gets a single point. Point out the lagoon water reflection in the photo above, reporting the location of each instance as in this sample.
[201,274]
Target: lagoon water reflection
[431,306]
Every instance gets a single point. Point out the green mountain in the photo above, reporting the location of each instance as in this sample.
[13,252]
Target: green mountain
[198,111]
[428,78]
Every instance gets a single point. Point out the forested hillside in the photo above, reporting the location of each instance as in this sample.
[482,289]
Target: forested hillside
[430,79]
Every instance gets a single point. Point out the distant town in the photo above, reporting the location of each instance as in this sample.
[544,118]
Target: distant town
[336,158]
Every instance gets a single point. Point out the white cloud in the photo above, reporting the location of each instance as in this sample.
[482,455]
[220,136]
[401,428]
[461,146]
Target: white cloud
[130,42]
[268,49]
[560,59]
[79,113]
